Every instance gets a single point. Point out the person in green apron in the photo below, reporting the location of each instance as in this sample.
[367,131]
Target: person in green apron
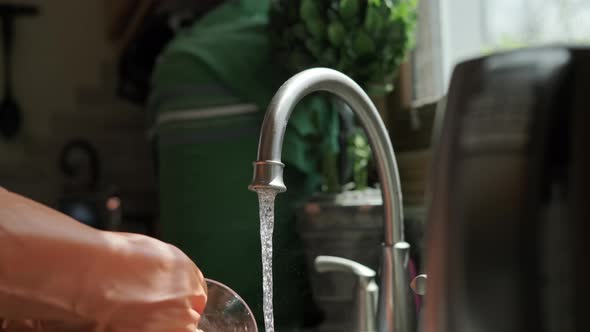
[210,88]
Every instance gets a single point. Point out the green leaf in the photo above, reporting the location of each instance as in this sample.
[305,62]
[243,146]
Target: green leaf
[363,44]
[312,18]
[316,28]
[299,31]
[360,151]
[365,39]
[329,57]
[309,9]
[336,33]
[314,47]
[374,21]
[330,172]
[297,60]
[349,8]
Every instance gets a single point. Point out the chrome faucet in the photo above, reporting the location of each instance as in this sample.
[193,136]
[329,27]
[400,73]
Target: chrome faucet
[396,310]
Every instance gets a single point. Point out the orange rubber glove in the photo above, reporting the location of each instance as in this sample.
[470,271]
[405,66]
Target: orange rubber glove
[57,274]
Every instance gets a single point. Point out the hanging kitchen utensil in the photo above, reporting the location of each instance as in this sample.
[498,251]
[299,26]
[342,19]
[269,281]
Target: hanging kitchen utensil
[10,112]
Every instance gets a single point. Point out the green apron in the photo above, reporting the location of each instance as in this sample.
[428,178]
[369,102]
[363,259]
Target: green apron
[210,88]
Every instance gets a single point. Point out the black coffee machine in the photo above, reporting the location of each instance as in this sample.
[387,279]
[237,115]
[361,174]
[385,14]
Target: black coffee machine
[509,208]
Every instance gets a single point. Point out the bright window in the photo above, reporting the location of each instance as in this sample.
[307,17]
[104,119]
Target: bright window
[461,29]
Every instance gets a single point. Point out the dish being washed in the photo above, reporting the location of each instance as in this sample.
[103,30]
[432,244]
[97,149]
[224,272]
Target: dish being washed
[226,311]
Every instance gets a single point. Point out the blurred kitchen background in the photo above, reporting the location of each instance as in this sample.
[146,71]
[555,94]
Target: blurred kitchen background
[94,144]
[65,72]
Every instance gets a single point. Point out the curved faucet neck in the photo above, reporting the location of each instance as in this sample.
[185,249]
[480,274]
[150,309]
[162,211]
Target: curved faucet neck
[268,174]
[275,122]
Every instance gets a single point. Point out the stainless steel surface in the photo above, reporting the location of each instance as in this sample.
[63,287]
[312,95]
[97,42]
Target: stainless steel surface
[496,259]
[339,264]
[418,284]
[225,311]
[268,173]
[366,289]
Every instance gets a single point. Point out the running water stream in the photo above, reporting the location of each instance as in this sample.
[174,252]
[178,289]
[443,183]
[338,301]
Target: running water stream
[266,199]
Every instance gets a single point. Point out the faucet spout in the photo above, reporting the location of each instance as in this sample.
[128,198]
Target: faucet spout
[396,308]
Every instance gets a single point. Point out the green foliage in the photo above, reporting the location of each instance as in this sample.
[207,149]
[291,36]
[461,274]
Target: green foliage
[365,39]
[360,152]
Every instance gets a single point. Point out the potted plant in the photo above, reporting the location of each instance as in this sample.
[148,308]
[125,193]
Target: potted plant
[367,40]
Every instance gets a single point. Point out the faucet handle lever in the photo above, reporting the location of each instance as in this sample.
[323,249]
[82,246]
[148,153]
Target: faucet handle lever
[339,264]
[418,285]
[366,289]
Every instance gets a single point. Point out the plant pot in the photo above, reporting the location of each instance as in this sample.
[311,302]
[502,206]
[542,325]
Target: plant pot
[349,225]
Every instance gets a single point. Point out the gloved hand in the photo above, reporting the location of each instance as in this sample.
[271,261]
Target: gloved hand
[57,274]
